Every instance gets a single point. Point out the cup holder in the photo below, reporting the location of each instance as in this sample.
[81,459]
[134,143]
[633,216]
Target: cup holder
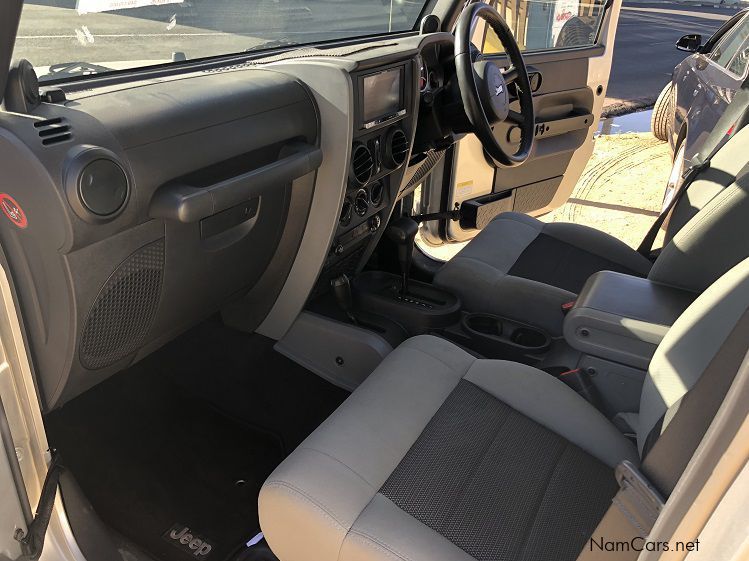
[529,337]
[488,325]
[503,337]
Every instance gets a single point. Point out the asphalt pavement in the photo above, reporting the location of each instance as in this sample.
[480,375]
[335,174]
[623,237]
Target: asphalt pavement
[645,55]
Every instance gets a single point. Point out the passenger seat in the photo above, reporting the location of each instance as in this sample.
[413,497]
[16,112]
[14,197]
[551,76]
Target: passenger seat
[439,456]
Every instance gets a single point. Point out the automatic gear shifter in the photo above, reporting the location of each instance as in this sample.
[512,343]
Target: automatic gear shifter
[402,231]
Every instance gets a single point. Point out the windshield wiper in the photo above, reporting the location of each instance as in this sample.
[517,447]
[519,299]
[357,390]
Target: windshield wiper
[71,69]
[272,44]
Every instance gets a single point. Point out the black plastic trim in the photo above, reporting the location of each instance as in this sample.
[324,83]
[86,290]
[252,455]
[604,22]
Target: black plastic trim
[114,77]
[10,14]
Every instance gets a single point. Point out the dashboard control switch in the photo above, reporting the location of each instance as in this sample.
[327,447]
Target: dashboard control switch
[374,223]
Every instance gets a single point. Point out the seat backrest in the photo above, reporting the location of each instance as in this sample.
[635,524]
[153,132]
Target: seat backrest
[689,347]
[707,234]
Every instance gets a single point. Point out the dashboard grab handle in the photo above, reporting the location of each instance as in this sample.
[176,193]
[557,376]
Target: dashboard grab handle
[182,201]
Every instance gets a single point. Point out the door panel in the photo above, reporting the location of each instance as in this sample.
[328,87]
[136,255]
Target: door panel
[568,104]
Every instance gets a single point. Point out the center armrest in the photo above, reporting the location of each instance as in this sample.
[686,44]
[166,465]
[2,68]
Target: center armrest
[623,318]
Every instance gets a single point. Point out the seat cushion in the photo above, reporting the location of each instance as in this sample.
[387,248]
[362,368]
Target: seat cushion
[525,269]
[442,456]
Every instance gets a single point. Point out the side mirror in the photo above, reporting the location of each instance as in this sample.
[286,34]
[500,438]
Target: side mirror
[690,43]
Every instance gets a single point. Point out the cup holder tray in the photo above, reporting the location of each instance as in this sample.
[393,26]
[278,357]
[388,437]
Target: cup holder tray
[497,336]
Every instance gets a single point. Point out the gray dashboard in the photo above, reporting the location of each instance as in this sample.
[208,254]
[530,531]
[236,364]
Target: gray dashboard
[151,205]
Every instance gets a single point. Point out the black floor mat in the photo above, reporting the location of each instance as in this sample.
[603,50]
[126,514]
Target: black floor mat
[188,436]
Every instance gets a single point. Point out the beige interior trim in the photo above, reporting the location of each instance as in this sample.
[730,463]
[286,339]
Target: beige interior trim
[715,466]
[25,419]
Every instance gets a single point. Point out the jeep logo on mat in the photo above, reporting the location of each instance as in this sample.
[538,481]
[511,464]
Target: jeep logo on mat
[189,541]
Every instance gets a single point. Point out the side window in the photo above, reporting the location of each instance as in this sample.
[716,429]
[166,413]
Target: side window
[731,53]
[739,62]
[548,24]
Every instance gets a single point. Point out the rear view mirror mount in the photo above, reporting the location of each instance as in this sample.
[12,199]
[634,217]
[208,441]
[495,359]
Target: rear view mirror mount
[690,43]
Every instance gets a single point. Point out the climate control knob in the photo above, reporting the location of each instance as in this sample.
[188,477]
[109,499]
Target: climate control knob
[361,203]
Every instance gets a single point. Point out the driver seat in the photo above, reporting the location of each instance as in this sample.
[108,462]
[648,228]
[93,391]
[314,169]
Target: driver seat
[524,269]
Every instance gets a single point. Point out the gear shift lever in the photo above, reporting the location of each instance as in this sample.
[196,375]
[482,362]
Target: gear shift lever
[402,231]
[342,291]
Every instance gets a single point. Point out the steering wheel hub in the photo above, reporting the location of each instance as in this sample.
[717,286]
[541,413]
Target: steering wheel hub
[496,100]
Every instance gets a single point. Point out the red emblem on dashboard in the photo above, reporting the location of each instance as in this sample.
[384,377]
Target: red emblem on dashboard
[13,210]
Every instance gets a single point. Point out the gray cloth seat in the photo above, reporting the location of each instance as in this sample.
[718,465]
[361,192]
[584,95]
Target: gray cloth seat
[524,269]
[440,456]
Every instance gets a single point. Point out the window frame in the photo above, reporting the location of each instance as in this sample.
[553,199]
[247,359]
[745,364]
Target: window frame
[605,7]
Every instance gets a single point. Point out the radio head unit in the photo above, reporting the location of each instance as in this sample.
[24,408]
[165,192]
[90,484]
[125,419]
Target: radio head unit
[381,96]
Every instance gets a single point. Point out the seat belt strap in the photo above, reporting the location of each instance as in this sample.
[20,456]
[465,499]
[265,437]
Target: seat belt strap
[628,521]
[637,499]
[689,176]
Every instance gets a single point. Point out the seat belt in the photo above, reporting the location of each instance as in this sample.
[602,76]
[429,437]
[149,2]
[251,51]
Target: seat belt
[640,499]
[689,176]
[731,121]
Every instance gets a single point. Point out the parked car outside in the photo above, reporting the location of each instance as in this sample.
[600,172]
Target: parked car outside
[702,86]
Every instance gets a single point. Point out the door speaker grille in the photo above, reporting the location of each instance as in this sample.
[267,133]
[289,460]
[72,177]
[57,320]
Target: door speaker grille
[121,315]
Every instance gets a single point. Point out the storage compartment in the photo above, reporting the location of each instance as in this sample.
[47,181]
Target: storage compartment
[623,318]
[498,337]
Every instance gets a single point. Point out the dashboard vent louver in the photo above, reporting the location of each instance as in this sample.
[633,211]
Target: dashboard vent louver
[398,147]
[361,164]
[53,131]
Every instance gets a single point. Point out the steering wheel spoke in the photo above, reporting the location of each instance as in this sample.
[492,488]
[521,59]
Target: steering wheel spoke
[515,117]
[510,75]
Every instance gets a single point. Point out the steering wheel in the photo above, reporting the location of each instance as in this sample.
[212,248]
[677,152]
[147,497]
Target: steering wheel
[483,86]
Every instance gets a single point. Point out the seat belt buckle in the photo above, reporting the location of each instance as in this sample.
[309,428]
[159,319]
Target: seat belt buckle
[637,499]
[567,306]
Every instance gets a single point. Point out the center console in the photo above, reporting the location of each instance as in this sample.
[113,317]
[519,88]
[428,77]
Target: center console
[384,123]
[623,318]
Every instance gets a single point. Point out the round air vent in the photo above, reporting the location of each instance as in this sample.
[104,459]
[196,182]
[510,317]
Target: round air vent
[361,164]
[96,182]
[396,148]
[346,212]
[103,187]
[361,202]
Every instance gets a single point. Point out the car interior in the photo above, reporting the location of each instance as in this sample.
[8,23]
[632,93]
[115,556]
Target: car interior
[241,352]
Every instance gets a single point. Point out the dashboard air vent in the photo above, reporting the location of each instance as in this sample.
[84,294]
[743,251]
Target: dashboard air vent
[361,164]
[396,148]
[346,212]
[53,131]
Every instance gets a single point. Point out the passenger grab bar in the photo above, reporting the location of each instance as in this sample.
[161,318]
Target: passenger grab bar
[179,200]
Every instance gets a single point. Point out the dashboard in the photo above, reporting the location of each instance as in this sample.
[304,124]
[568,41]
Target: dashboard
[237,189]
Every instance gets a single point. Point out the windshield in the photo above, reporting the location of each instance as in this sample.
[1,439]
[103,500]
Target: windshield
[64,38]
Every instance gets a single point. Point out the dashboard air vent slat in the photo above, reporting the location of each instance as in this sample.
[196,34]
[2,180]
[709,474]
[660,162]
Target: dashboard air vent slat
[53,131]
[398,147]
[361,164]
